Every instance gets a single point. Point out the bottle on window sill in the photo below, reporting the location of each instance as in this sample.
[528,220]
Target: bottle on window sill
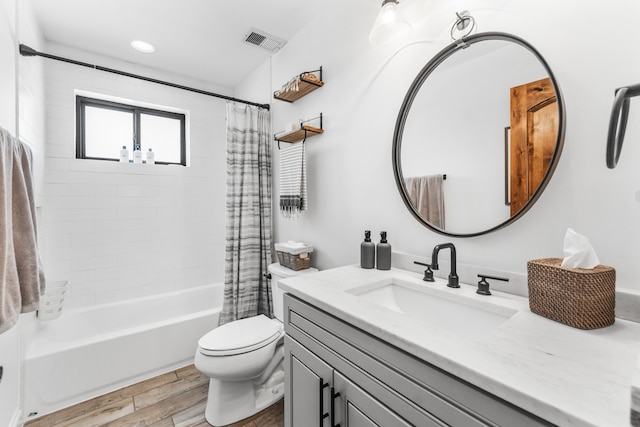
[124,154]
[137,155]
[151,158]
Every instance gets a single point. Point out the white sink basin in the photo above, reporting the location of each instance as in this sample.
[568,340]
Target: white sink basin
[469,317]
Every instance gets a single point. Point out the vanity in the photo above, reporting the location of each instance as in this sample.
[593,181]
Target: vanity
[372,347]
[478,137]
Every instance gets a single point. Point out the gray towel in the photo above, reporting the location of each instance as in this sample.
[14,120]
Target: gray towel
[293,181]
[427,197]
[20,267]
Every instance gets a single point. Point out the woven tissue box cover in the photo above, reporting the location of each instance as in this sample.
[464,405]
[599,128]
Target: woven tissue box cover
[581,298]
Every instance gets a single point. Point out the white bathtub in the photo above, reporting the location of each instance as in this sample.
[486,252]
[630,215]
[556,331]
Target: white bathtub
[91,351]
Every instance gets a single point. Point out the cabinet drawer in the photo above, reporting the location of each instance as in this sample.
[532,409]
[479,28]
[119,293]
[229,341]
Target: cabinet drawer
[404,383]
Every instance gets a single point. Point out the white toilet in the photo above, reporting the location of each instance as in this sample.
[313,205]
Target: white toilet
[244,360]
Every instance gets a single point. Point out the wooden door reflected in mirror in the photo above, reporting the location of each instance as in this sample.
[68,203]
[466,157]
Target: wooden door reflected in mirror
[534,130]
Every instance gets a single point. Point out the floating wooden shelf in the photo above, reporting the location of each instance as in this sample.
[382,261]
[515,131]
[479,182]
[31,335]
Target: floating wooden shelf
[305,131]
[307,84]
[299,135]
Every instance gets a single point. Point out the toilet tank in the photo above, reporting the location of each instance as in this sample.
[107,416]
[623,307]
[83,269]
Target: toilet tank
[279,272]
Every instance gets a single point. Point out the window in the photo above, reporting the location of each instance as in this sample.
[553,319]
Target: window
[104,127]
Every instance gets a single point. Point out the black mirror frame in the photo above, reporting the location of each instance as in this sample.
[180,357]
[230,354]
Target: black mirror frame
[408,101]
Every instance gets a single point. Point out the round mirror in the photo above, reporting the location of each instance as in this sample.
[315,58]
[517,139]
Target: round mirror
[478,135]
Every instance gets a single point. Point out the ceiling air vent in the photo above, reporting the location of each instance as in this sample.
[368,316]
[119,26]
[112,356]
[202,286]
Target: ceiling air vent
[264,40]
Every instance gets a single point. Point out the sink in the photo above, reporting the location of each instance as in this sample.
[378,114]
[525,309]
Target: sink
[470,317]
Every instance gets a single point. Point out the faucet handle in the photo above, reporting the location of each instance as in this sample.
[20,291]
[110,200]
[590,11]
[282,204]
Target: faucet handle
[483,285]
[428,274]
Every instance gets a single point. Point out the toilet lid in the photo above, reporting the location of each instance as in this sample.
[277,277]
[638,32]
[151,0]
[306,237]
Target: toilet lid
[240,336]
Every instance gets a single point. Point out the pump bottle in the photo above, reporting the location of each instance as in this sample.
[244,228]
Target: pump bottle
[137,155]
[383,253]
[367,251]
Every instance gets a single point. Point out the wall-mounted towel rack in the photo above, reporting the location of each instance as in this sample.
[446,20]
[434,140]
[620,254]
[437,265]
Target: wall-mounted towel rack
[618,122]
[305,131]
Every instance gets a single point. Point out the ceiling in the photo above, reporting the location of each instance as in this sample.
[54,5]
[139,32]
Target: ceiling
[202,39]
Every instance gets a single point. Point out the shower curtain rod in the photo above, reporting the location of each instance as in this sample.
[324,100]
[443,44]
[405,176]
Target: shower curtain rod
[28,51]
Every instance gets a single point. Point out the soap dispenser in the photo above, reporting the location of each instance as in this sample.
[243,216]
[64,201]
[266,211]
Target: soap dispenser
[367,251]
[383,253]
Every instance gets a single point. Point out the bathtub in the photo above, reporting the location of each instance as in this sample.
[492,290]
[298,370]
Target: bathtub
[92,351]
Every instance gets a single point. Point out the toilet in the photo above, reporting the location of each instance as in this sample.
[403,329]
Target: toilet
[244,360]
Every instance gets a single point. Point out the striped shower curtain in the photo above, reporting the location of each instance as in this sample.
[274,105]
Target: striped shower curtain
[248,247]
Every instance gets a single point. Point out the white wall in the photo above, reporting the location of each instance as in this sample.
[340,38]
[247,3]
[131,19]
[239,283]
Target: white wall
[31,93]
[16,24]
[21,112]
[31,129]
[351,184]
[8,66]
[119,231]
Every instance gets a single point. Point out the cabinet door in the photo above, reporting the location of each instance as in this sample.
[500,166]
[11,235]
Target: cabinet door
[356,408]
[308,382]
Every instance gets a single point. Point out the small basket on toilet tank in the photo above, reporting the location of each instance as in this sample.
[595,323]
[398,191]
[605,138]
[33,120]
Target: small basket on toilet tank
[294,255]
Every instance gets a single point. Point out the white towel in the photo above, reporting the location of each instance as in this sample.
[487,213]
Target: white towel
[293,181]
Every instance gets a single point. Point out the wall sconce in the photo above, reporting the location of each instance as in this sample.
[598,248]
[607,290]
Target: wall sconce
[390,24]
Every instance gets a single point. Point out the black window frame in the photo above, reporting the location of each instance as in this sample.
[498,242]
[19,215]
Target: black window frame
[83,101]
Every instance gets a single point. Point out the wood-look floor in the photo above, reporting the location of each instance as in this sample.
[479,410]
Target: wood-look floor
[175,399]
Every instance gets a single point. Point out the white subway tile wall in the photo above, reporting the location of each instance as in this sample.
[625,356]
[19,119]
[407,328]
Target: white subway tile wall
[118,231]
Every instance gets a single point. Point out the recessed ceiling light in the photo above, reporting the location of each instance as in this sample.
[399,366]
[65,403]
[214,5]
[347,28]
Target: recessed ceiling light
[142,46]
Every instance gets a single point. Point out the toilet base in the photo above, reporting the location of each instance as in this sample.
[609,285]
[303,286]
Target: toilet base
[229,402]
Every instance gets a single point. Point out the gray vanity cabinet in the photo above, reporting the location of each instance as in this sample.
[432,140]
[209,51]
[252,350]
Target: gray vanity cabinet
[309,380]
[312,384]
[338,375]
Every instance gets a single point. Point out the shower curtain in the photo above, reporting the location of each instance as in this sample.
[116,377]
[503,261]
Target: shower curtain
[248,219]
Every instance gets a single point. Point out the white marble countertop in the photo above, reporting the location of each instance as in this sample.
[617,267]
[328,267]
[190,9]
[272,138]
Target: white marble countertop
[567,376]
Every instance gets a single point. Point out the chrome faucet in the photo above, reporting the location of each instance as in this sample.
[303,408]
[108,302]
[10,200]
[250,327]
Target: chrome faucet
[453,276]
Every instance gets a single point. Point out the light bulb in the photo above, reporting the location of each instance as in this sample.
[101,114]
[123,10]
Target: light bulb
[390,25]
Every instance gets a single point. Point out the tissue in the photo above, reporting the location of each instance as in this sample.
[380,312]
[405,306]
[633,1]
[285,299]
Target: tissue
[578,251]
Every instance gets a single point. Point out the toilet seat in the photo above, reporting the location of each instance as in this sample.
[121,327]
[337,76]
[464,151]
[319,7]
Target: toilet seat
[240,336]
